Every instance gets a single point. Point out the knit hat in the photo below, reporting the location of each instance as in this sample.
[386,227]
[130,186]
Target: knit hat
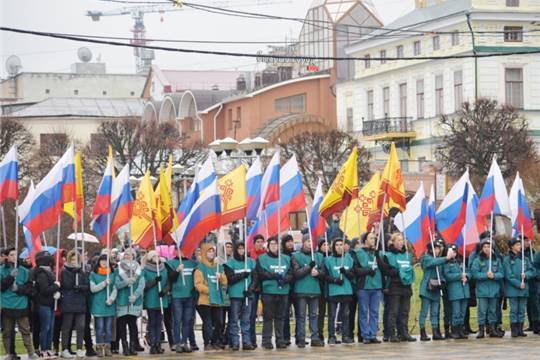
[513,242]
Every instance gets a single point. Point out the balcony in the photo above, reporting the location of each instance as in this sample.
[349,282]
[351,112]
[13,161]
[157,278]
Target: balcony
[388,129]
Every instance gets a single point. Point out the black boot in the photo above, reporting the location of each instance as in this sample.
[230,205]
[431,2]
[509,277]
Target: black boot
[469,330]
[132,349]
[423,335]
[481,332]
[521,332]
[125,348]
[447,332]
[499,330]
[536,327]
[462,332]
[437,334]
[454,334]
[514,332]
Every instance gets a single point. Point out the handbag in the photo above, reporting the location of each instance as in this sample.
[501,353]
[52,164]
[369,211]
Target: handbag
[434,285]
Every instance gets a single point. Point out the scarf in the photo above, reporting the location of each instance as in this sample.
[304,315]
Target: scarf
[153,267]
[103,271]
[129,270]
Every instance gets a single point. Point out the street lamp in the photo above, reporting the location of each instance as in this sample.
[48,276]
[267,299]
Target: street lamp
[259,144]
[228,145]
[216,147]
[246,146]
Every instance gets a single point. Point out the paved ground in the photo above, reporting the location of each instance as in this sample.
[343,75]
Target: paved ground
[507,348]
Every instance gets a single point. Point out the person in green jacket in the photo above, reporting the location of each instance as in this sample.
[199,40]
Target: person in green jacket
[431,287]
[275,274]
[457,284]
[306,265]
[130,287]
[103,308]
[338,272]
[180,270]
[487,289]
[155,298]
[14,291]
[516,276]
[242,282]
[369,284]
[533,302]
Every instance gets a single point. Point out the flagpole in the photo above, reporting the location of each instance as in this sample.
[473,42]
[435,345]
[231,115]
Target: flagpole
[434,256]
[326,239]
[279,232]
[58,254]
[310,235]
[490,239]
[243,234]
[157,265]
[16,232]
[76,242]
[344,237]
[44,238]
[108,249]
[3,225]
[266,225]
[522,254]
[83,254]
[381,227]
[405,234]
[464,251]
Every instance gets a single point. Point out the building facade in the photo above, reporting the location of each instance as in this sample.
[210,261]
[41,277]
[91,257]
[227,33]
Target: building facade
[403,100]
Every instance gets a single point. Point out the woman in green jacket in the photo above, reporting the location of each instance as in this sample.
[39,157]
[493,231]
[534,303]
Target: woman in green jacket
[103,308]
[155,298]
[516,276]
[457,285]
[130,286]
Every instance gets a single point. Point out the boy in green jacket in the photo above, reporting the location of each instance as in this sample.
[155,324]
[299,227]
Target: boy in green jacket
[457,285]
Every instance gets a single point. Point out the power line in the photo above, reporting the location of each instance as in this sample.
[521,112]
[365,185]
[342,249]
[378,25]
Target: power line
[306,59]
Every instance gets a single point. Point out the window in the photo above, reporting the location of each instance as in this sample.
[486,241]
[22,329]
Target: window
[512,3]
[238,122]
[104,92]
[75,92]
[132,93]
[436,43]
[420,99]
[417,48]
[367,61]
[514,88]
[229,120]
[421,161]
[350,122]
[47,91]
[513,33]
[291,105]
[382,55]
[439,95]
[458,90]
[370,105]
[403,100]
[399,51]
[386,101]
[53,144]
[455,38]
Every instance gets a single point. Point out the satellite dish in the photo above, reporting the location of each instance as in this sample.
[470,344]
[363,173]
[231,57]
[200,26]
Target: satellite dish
[13,65]
[84,54]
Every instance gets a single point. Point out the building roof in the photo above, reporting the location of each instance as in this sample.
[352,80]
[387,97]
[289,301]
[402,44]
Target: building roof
[83,107]
[338,8]
[181,80]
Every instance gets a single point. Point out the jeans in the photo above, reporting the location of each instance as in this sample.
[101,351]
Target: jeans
[155,318]
[70,321]
[182,312]
[274,309]
[212,318]
[104,329]
[518,305]
[433,307]
[459,308]
[487,309]
[240,312]
[369,301]
[312,304]
[320,316]
[253,318]
[46,322]
[332,311]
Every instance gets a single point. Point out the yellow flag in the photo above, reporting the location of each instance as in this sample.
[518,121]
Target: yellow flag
[392,184]
[165,212]
[356,216]
[144,214]
[110,157]
[232,190]
[343,189]
[69,208]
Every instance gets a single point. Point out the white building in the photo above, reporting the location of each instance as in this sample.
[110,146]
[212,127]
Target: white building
[402,100]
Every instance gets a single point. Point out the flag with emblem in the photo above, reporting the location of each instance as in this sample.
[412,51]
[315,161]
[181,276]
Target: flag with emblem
[232,191]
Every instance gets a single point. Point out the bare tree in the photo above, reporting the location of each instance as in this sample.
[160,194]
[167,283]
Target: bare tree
[479,132]
[13,132]
[321,154]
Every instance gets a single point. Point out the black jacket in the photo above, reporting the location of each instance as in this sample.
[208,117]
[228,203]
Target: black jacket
[43,281]
[73,295]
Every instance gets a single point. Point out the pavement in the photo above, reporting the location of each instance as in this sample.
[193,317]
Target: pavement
[492,349]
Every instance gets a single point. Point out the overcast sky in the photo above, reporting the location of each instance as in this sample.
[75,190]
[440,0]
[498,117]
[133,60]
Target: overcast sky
[67,16]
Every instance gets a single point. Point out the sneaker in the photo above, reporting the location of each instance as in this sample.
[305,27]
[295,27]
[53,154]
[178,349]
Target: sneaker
[268,346]
[194,347]
[235,347]
[248,347]
[186,348]
[332,341]
[65,354]
[80,353]
[374,341]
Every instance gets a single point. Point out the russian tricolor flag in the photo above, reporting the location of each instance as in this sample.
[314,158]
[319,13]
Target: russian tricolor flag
[253,189]
[451,215]
[470,233]
[494,198]
[431,210]
[57,187]
[317,224]
[205,215]
[102,204]
[9,172]
[414,221]
[33,243]
[270,183]
[521,215]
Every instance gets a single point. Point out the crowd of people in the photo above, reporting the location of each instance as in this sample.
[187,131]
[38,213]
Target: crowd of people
[340,283]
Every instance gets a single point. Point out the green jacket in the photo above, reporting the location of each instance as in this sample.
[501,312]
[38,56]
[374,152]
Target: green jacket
[237,284]
[182,286]
[98,288]
[431,266]
[151,290]
[402,262]
[305,284]
[123,306]
[216,293]
[269,273]
[367,261]
[512,275]
[486,287]
[10,299]
[332,265]
[456,290]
